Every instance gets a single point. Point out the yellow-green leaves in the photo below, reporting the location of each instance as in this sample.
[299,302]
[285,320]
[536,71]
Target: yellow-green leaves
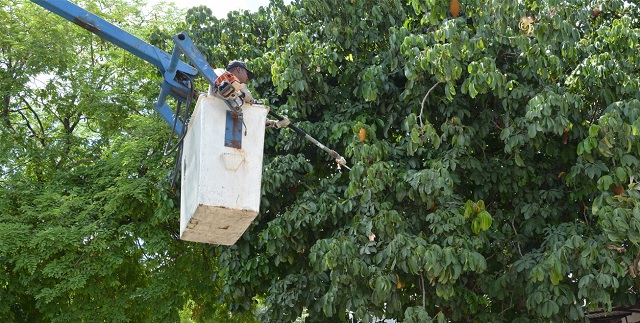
[480,218]
[482,222]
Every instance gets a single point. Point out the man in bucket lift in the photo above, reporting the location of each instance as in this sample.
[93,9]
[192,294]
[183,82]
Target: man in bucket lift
[243,74]
[240,70]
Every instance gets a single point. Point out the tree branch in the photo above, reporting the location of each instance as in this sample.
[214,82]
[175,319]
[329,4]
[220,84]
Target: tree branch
[33,132]
[423,100]
[5,111]
[26,103]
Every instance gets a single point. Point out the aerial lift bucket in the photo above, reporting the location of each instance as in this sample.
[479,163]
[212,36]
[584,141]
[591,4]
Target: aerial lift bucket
[221,171]
[222,153]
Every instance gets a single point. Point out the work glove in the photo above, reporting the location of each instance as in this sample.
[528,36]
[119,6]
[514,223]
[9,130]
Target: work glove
[248,98]
[278,123]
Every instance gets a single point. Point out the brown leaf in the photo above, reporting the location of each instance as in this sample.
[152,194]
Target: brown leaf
[616,248]
[454,8]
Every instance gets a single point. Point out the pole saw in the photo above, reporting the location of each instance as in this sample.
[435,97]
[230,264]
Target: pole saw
[284,121]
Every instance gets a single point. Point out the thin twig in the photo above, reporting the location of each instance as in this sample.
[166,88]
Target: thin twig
[423,100]
[504,310]
[424,293]
[516,232]
[584,212]
[496,124]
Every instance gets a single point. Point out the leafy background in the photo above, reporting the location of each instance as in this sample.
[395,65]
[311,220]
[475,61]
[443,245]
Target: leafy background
[494,171]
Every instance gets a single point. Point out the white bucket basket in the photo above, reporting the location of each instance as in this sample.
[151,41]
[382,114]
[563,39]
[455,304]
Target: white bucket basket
[221,172]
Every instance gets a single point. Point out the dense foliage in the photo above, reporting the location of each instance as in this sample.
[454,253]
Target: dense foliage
[494,161]
[88,220]
[485,186]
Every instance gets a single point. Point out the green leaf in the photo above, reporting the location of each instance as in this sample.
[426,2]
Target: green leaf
[472,90]
[366,196]
[604,182]
[415,136]
[485,220]
[556,277]
[518,160]
[532,130]
[604,148]
[621,174]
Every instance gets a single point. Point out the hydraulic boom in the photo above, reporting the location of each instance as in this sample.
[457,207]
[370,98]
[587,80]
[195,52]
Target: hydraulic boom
[176,73]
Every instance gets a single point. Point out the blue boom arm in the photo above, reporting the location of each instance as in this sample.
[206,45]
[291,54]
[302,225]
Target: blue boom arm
[175,72]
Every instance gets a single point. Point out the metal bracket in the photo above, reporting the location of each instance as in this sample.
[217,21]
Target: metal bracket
[233,130]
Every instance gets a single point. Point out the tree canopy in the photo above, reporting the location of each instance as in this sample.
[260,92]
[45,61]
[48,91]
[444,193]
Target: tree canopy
[88,221]
[493,149]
